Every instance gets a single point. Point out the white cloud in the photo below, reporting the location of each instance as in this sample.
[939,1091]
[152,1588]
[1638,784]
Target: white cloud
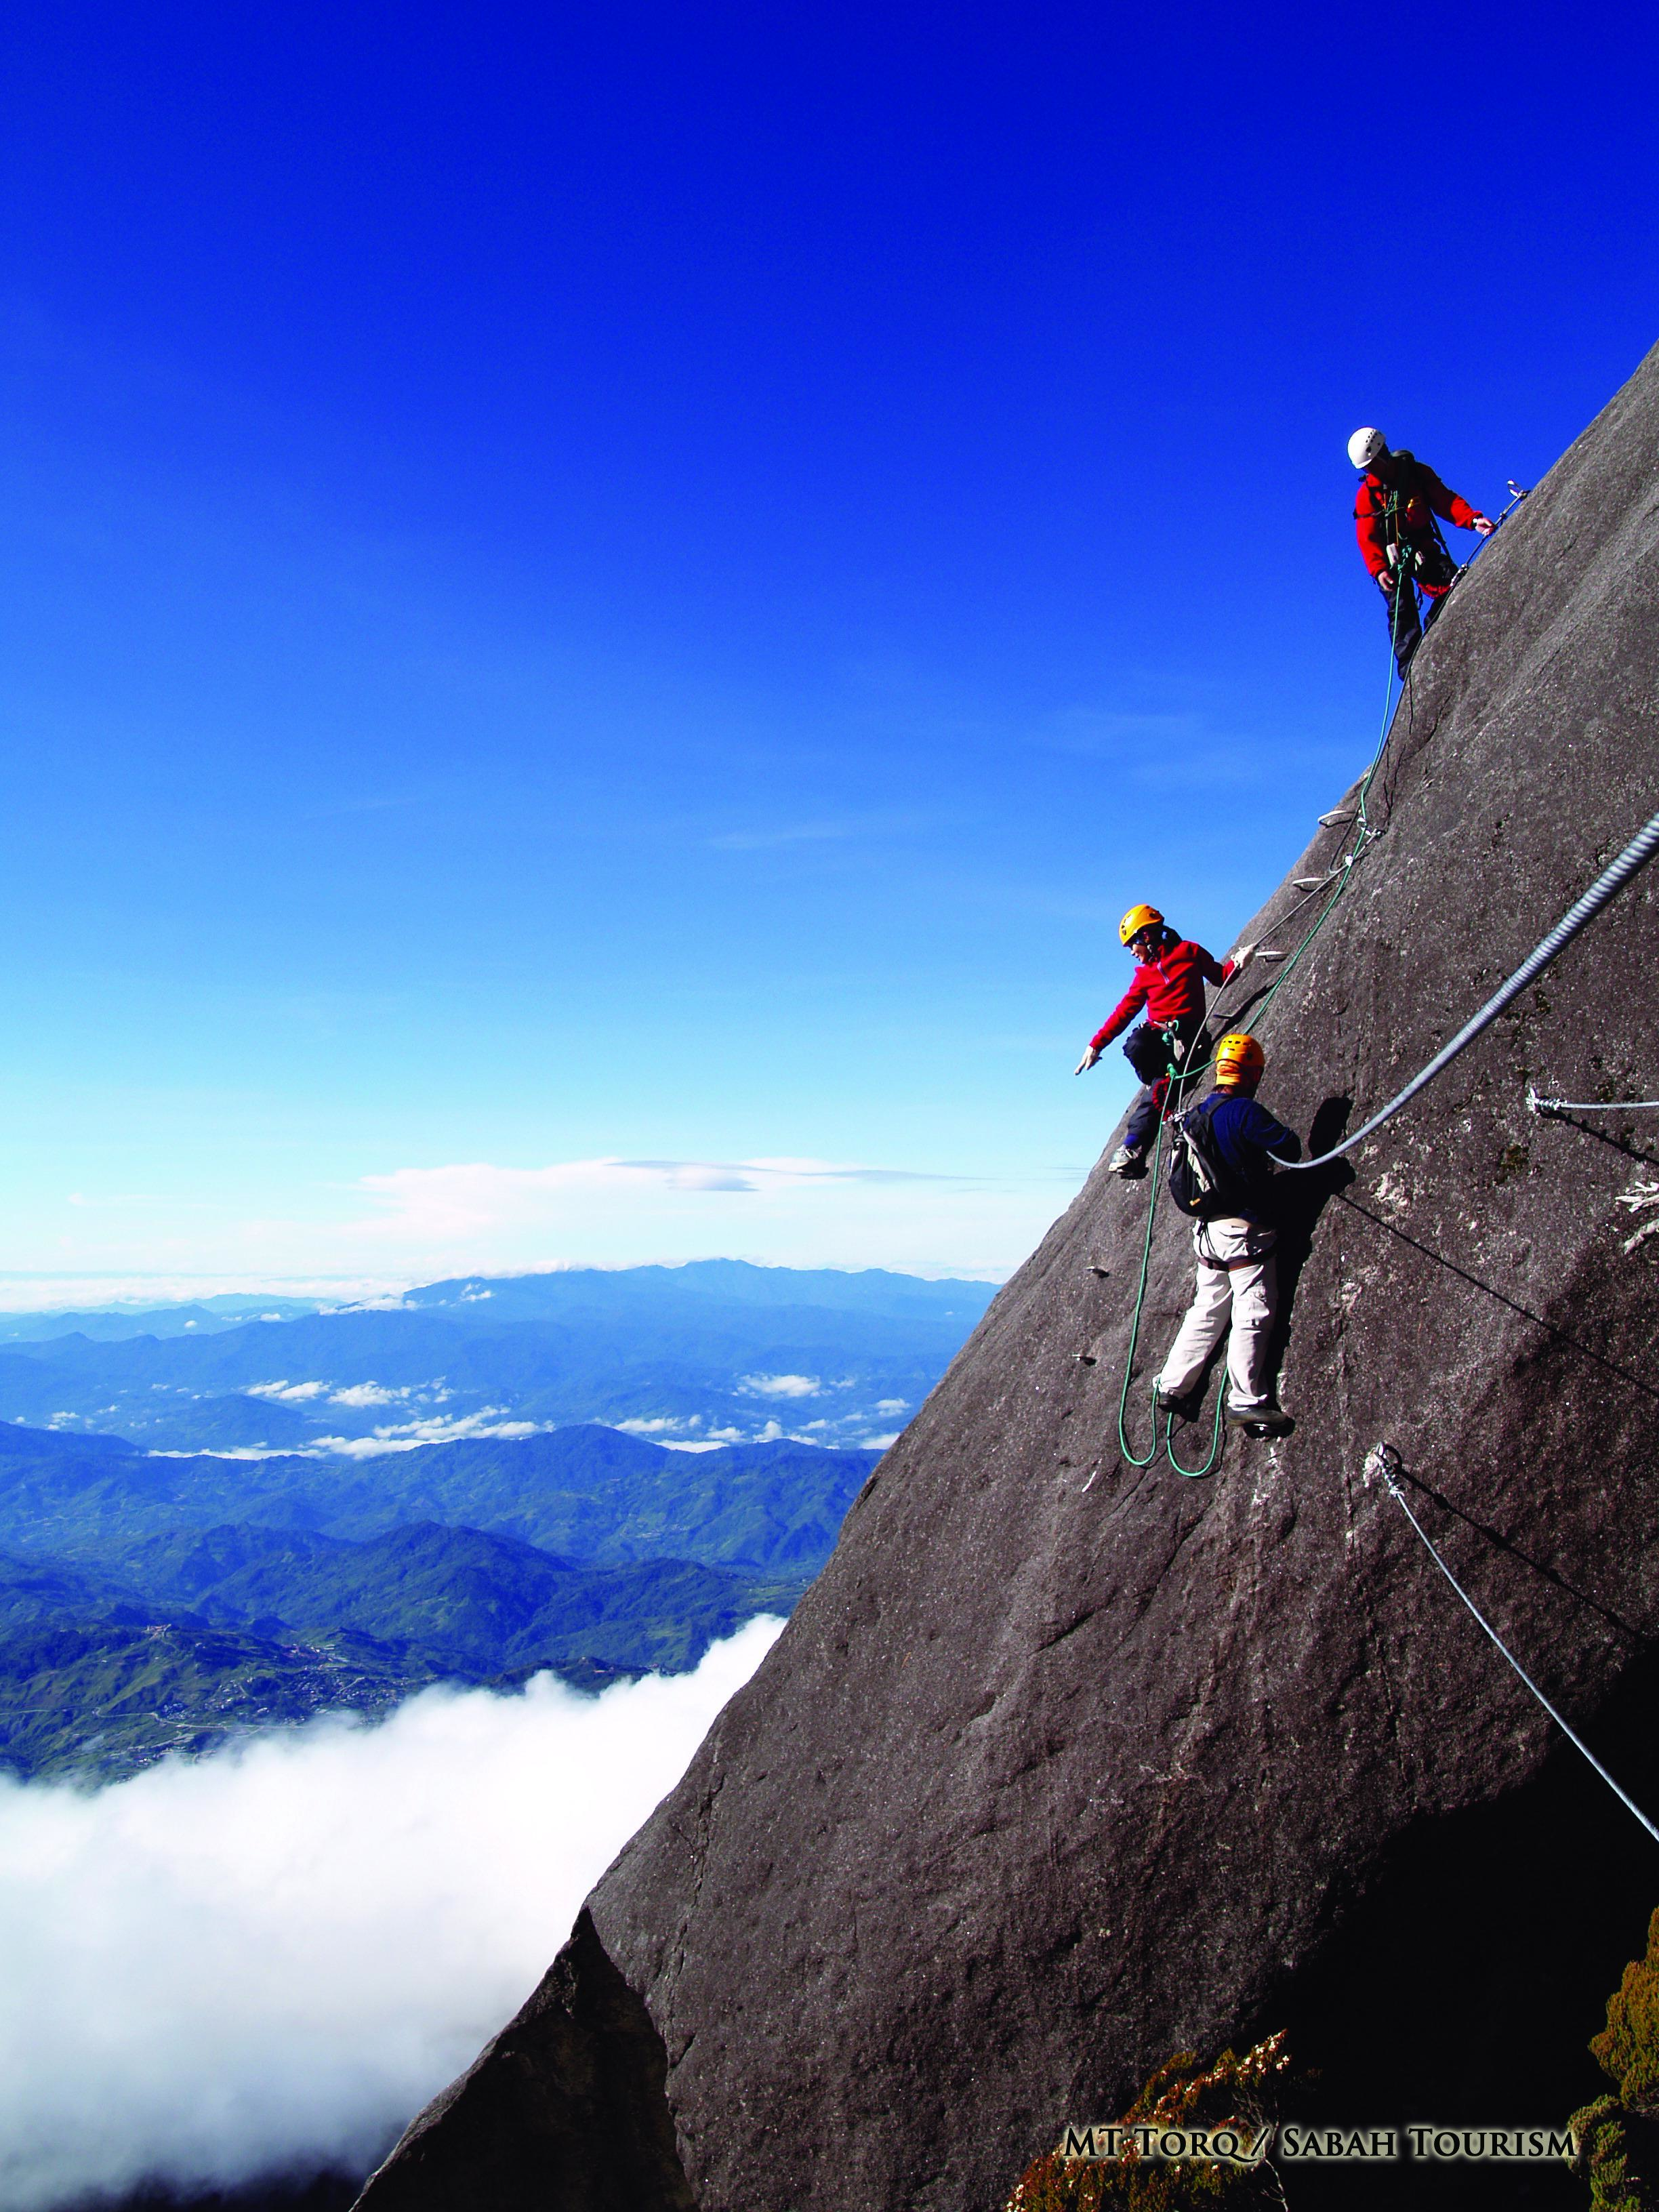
[272,1957]
[782,1386]
[395,1436]
[289,1393]
[891,1406]
[447,1201]
[381,1233]
[34,1289]
[438,1429]
[365,1393]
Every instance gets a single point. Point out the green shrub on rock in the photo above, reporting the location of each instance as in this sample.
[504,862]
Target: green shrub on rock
[1617,2138]
[1628,2050]
[1181,2095]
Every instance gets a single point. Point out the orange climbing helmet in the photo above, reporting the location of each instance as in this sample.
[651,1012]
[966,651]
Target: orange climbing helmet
[1238,1055]
[1136,919]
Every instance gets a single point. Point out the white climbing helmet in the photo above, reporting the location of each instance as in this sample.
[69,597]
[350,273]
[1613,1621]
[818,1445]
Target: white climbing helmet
[1365,446]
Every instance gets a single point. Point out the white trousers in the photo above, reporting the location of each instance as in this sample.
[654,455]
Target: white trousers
[1238,1281]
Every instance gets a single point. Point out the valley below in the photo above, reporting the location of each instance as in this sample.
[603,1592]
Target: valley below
[214,1522]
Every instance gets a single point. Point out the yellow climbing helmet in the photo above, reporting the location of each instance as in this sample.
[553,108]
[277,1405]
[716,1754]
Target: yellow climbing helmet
[1239,1055]
[1136,919]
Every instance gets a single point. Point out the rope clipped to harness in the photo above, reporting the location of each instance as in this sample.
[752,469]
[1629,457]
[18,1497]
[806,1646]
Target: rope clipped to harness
[1385,1464]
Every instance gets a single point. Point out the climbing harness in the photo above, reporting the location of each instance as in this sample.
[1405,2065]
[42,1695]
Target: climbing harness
[1385,1464]
[1607,887]
[1537,1105]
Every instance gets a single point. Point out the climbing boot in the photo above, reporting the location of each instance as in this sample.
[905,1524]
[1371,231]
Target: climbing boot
[1128,1162]
[1269,1420]
[1165,1401]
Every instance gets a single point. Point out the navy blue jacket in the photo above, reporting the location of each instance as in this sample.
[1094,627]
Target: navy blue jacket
[1244,1134]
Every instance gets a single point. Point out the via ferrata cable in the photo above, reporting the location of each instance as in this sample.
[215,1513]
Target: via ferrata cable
[1364,835]
[1537,1105]
[1607,887]
[1385,1461]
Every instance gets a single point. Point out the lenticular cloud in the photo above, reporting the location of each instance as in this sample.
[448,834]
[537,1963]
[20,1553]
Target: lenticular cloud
[271,1959]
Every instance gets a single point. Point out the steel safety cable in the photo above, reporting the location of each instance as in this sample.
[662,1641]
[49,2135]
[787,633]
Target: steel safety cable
[1537,1105]
[1385,1461]
[1605,888]
[1363,836]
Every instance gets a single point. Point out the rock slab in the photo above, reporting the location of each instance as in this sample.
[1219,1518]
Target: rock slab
[1064,1764]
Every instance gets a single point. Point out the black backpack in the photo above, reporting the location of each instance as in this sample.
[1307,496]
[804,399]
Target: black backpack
[1201,1183]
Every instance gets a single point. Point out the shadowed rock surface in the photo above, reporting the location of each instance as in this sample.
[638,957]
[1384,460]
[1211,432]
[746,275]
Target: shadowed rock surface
[1062,1766]
[565,2107]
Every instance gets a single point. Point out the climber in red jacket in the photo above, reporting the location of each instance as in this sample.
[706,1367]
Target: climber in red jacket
[1393,517]
[1170,973]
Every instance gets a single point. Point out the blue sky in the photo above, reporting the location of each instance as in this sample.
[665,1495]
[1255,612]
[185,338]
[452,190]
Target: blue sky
[644,584]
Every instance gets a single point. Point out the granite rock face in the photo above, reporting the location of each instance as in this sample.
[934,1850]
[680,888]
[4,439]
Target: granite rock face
[1063,1765]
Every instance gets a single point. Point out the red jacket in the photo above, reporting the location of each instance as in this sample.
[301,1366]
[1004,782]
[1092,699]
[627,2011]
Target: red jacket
[1170,988]
[1421,494]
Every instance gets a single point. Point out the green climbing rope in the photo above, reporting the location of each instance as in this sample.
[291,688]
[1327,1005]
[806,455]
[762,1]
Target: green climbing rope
[1124,1445]
[1217,1436]
[1363,836]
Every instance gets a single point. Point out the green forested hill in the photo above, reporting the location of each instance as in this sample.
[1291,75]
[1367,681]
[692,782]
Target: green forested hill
[163,1600]
[185,1640]
[589,1493]
[104,1698]
[473,1604]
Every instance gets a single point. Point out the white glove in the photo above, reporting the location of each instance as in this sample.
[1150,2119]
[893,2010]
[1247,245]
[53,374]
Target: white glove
[1086,1062]
[1484,524]
[1243,957]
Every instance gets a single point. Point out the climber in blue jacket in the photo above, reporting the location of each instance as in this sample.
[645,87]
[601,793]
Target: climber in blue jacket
[1234,1235]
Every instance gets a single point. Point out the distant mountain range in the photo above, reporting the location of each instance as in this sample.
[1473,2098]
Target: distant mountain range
[714,1352]
[589,1494]
[113,1323]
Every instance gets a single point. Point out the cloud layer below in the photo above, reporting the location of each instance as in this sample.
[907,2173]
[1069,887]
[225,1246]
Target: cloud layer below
[272,1958]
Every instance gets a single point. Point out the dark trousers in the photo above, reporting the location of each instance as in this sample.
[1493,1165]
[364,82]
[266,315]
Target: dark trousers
[1425,565]
[1153,1053]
